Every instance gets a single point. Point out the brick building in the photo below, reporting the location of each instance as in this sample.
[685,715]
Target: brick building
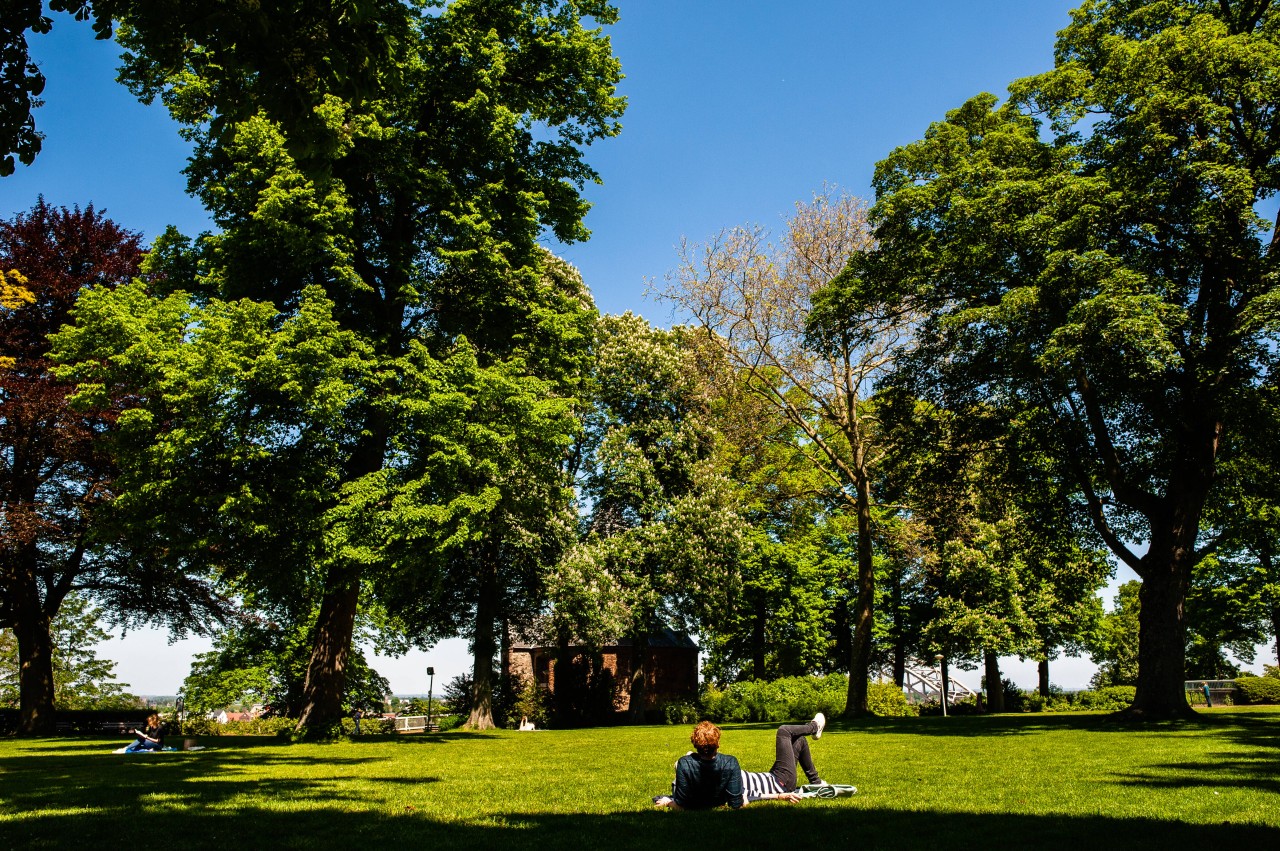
[673,669]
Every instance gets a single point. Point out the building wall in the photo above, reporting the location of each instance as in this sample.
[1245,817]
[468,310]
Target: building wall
[673,672]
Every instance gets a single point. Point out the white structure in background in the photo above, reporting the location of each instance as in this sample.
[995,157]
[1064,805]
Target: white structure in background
[922,685]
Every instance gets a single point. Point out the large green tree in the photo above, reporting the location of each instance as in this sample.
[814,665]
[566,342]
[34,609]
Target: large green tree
[57,478]
[1110,269]
[401,160]
[660,532]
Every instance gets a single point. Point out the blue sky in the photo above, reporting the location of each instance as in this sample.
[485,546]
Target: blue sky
[737,109]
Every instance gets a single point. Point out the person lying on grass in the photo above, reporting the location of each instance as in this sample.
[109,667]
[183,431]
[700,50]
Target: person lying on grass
[706,778]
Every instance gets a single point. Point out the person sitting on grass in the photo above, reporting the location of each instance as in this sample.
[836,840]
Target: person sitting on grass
[706,778]
[150,738]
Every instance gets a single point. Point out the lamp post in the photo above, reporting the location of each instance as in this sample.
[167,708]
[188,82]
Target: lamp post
[431,685]
[942,684]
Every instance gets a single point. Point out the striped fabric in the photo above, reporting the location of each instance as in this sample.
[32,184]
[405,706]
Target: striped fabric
[757,784]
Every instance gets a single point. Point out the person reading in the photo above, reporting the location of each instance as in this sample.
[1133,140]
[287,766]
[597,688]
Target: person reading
[150,738]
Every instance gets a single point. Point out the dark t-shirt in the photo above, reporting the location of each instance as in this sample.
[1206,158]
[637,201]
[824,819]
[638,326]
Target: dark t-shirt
[705,783]
[156,732]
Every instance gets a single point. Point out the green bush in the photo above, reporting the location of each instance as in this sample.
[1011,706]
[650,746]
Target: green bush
[964,706]
[1109,699]
[256,727]
[369,726]
[680,712]
[786,699]
[1033,701]
[449,722]
[1259,689]
[887,701]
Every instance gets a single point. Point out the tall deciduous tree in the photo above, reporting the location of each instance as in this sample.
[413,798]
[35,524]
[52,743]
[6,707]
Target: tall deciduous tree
[56,477]
[756,298]
[1113,271]
[403,158]
[660,530]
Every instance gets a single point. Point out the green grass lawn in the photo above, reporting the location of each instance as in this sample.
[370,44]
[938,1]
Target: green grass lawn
[1043,781]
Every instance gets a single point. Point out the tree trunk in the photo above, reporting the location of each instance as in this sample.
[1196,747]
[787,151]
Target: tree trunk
[335,625]
[484,646]
[331,646]
[945,697]
[639,678]
[32,628]
[35,674]
[860,652]
[1166,575]
[1043,670]
[1161,648]
[757,640]
[995,687]
[899,638]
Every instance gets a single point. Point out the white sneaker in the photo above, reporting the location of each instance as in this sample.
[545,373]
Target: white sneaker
[118,750]
[820,721]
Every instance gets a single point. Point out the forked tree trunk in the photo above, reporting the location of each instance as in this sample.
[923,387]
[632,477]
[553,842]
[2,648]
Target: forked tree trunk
[330,649]
[863,615]
[995,687]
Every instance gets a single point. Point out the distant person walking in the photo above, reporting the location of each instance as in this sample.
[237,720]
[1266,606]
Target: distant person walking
[356,715]
[1208,697]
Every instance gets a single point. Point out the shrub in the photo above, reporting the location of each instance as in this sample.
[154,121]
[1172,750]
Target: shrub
[533,702]
[786,699]
[449,722]
[1033,701]
[680,712]
[256,727]
[886,700]
[964,706]
[369,726]
[1259,689]
[1109,699]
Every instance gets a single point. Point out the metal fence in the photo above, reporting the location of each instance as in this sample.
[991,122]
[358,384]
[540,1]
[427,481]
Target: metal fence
[1221,692]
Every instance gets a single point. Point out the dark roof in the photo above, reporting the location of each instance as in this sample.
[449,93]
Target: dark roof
[661,638]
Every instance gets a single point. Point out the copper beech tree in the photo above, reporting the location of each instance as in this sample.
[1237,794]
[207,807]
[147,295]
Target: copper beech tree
[55,478]
[755,298]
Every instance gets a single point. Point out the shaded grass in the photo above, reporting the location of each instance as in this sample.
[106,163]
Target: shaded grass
[1029,780]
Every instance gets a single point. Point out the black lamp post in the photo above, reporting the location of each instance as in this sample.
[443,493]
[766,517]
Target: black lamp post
[431,684]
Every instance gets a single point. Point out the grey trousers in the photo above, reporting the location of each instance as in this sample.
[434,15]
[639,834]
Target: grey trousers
[791,747]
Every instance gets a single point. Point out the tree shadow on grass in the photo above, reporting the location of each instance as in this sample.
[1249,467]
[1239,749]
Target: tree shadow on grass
[33,782]
[1258,730]
[792,827]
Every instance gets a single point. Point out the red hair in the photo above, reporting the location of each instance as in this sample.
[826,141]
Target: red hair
[706,738]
